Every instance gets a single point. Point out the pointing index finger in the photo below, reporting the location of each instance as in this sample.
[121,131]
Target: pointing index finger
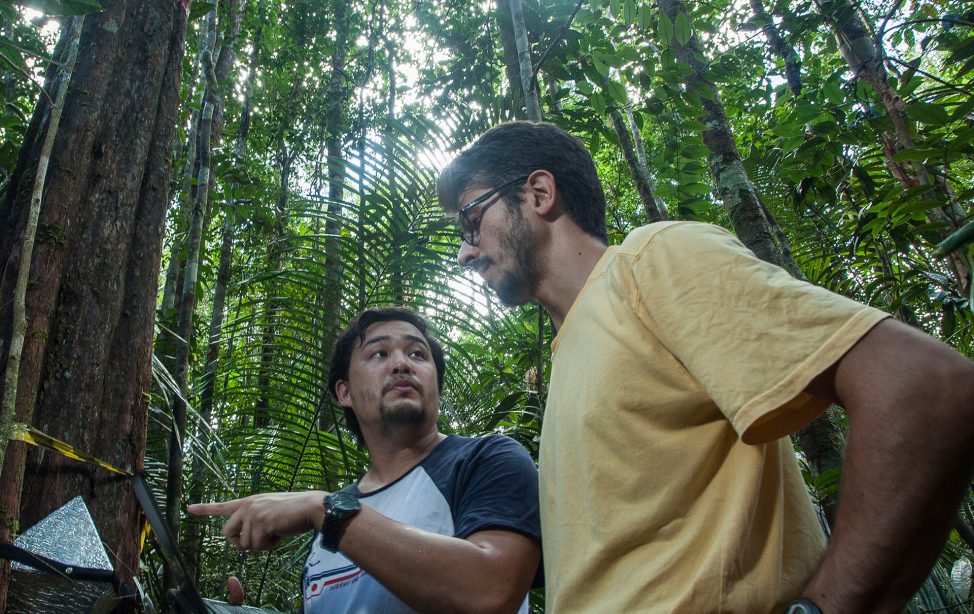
[225,508]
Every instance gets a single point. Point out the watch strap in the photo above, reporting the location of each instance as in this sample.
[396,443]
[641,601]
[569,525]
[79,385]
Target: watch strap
[340,508]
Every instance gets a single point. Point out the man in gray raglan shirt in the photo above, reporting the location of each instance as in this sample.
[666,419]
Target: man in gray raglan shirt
[437,523]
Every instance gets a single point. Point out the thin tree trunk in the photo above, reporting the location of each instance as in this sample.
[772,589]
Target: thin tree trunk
[187,304]
[637,167]
[752,221]
[525,70]
[864,54]
[511,66]
[86,364]
[360,226]
[397,224]
[224,65]
[780,47]
[334,266]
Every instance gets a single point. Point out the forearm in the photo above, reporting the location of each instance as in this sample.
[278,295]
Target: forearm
[431,572]
[892,522]
[909,456]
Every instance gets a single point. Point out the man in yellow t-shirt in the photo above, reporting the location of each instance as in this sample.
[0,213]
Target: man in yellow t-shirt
[681,364]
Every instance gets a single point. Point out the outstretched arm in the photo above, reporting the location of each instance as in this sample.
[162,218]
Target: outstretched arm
[910,402]
[489,571]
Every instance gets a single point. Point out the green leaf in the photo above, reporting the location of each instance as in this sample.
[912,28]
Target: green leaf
[9,121]
[665,28]
[865,180]
[199,8]
[11,55]
[792,143]
[683,30]
[601,67]
[834,93]
[962,110]
[788,129]
[928,113]
[695,189]
[645,17]
[629,12]
[917,153]
[598,103]
[617,92]
[966,68]
[703,90]
[962,51]
[615,8]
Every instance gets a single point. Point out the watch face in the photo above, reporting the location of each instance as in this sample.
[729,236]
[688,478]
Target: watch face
[803,606]
[343,502]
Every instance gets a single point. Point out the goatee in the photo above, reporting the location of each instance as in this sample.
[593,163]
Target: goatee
[402,415]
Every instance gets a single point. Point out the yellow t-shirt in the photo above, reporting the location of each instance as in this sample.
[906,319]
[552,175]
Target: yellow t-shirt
[682,349]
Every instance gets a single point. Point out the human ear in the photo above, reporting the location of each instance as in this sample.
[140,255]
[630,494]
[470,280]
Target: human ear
[543,189]
[341,391]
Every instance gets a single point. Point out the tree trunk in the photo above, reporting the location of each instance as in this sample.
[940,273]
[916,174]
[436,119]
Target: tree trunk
[215,331]
[337,100]
[398,222]
[780,47]
[8,412]
[752,221]
[525,70]
[87,358]
[187,303]
[864,54]
[511,66]
[637,167]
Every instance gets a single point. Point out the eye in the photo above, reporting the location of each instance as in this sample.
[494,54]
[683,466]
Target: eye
[421,354]
[465,222]
[380,354]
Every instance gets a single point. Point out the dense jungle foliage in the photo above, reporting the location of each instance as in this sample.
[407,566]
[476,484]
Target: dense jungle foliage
[309,138]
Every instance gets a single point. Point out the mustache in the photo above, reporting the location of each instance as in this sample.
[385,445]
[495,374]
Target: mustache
[396,381]
[478,263]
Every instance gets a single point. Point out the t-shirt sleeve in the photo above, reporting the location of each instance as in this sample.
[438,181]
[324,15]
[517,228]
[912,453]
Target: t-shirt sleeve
[498,489]
[752,336]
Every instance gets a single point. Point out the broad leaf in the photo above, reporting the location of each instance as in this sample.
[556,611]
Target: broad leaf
[664,28]
[682,29]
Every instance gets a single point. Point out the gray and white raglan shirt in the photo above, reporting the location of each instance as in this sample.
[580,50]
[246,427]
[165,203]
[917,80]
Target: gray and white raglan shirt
[463,486]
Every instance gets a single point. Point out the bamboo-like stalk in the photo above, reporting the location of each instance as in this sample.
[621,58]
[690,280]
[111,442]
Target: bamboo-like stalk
[187,304]
[531,105]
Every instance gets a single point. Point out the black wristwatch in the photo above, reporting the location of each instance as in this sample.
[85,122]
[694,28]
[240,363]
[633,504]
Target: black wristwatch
[803,606]
[340,508]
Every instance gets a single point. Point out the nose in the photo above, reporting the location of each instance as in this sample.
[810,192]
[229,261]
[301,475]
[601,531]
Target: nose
[401,364]
[467,253]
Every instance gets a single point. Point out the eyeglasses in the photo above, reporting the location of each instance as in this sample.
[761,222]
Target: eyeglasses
[470,229]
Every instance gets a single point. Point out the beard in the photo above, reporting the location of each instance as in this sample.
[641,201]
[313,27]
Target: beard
[408,413]
[402,413]
[517,285]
